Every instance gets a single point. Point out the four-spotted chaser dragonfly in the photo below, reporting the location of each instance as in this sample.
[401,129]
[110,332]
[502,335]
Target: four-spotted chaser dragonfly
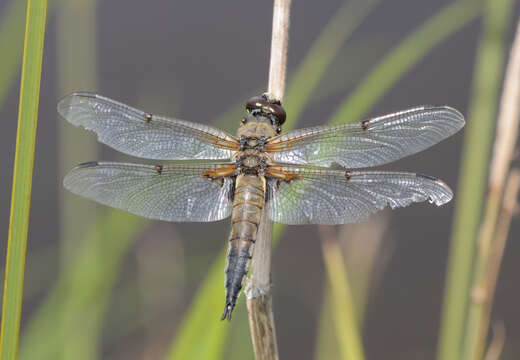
[305,176]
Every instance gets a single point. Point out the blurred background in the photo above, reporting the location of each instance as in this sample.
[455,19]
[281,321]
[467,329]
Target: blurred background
[104,284]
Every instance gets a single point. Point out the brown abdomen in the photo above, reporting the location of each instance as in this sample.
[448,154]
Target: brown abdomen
[247,209]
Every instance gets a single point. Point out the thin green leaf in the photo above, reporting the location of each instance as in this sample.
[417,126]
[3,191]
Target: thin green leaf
[327,344]
[346,322]
[473,176]
[22,177]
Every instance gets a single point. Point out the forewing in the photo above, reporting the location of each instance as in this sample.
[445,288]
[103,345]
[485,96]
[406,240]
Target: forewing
[323,196]
[179,192]
[144,135]
[369,143]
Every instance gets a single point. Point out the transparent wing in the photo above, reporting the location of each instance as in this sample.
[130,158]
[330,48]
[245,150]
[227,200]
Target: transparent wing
[322,196]
[369,143]
[144,135]
[180,192]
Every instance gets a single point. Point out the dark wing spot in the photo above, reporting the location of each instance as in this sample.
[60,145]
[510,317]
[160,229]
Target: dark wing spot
[148,117]
[348,175]
[364,124]
[336,166]
[426,176]
[85,94]
[88,164]
[158,169]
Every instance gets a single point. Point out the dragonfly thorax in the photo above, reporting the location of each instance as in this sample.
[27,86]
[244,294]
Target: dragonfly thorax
[251,162]
[257,126]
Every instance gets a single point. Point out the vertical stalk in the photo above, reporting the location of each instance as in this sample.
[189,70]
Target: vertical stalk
[258,292]
[477,147]
[505,141]
[509,208]
[22,177]
[279,46]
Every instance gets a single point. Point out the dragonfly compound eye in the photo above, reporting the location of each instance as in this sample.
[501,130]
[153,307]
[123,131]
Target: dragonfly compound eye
[256,103]
[267,106]
[279,112]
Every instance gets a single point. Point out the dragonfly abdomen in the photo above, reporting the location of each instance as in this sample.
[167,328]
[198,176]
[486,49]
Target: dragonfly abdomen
[247,209]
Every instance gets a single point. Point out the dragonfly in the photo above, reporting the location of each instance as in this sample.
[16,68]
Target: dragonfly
[304,176]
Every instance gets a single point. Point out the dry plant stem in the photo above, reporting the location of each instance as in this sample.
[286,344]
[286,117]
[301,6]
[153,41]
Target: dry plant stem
[497,344]
[259,298]
[503,152]
[279,46]
[258,292]
[509,206]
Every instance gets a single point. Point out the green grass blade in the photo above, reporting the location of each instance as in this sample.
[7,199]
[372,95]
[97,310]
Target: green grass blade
[22,177]
[400,60]
[345,320]
[327,344]
[473,176]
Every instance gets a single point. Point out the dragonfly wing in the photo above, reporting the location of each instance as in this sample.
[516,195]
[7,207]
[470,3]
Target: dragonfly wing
[323,196]
[144,135]
[178,192]
[369,143]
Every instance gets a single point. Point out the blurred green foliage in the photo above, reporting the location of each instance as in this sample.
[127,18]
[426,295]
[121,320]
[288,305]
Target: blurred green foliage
[11,42]
[81,294]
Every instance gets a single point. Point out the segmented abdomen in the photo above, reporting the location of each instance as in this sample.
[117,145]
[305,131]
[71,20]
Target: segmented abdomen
[247,209]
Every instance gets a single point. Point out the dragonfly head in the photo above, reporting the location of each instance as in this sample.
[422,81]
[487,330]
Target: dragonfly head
[267,106]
